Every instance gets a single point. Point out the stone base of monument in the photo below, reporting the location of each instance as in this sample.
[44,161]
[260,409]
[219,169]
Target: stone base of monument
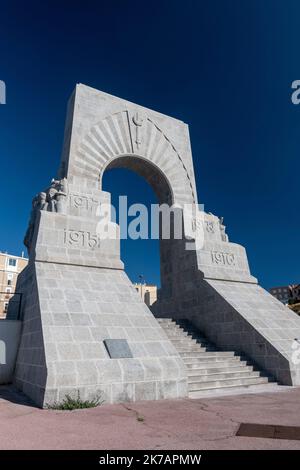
[70,312]
[85,327]
[250,320]
[224,302]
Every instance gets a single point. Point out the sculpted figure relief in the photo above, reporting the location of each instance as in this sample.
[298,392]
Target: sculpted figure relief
[56,195]
[53,199]
[224,236]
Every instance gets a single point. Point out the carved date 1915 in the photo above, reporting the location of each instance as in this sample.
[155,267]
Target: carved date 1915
[81,239]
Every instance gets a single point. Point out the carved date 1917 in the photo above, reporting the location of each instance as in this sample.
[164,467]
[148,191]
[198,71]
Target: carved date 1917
[84,202]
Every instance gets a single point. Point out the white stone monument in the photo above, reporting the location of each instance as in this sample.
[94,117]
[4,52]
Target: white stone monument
[77,297]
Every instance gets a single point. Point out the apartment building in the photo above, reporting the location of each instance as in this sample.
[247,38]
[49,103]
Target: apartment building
[287,294]
[148,292]
[282,293]
[10,267]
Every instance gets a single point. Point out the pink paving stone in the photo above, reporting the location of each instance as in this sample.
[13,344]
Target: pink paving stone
[208,423]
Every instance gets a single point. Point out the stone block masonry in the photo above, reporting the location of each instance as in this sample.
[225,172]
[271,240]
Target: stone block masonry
[76,293]
[62,348]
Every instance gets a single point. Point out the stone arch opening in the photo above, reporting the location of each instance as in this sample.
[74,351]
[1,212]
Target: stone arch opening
[161,187]
[147,170]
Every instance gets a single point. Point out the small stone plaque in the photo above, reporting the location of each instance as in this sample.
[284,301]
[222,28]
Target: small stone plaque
[117,348]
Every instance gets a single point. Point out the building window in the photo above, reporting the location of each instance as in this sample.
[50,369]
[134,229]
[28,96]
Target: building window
[12,262]
[8,290]
[9,282]
[5,307]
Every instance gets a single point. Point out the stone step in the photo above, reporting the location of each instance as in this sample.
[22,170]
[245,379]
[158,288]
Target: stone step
[176,333]
[205,361]
[170,329]
[206,354]
[197,369]
[194,349]
[200,340]
[183,341]
[192,386]
[193,331]
[235,390]
[196,333]
[187,338]
[166,321]
[209,369]
[184,338]
[194,342]
[180,339]
[223,375]
[187,346]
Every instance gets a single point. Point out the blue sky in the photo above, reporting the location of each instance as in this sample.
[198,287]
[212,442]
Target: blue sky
[223,66]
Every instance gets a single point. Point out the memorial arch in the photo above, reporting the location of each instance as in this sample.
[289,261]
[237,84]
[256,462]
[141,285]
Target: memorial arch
[84,326]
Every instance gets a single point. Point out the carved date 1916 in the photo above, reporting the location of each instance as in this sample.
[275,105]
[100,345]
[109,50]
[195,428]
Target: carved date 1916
[225,259]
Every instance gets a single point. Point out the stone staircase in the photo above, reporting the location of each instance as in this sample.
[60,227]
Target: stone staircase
[208,368]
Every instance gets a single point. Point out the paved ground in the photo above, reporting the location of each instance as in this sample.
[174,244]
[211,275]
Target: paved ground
[205,423]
